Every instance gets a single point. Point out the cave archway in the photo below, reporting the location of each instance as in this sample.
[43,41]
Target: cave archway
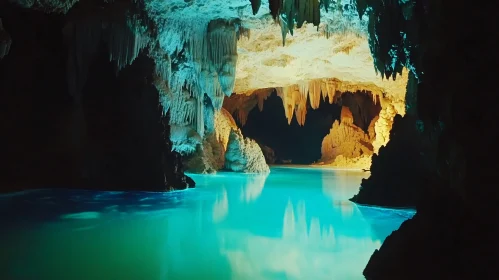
[303,141]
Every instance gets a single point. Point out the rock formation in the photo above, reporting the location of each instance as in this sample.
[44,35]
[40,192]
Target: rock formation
[449,237]
[105,130]
[453,234]
[363,123]
[220,150]
[5,41]
[112,134]
[347,142]
[389,171]
[244,155]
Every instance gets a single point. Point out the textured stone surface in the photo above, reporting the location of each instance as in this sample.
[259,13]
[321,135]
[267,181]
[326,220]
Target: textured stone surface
[115,135]
[454,233]
[346,140]
[244,155]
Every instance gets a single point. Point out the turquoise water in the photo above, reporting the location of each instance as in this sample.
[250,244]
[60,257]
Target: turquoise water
[295,223]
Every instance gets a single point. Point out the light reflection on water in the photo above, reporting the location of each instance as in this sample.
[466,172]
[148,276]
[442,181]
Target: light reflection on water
[295,223]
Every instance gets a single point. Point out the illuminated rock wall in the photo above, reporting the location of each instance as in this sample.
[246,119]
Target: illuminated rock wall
[347,145]
[204,52]
[226,148]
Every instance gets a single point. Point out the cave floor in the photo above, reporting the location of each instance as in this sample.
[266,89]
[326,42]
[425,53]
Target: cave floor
[294,223]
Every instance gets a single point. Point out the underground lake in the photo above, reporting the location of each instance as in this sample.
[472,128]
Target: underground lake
[293,223]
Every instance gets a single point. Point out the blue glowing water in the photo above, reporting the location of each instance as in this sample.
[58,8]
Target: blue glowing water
[295,223]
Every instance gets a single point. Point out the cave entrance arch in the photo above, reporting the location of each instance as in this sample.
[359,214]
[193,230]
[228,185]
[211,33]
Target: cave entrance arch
[318,135]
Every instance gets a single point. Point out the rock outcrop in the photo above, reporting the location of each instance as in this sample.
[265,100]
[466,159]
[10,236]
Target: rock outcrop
[347,145]
[396,181]
[227,148]
[454,232]
[244,155]
[209,155]
[113,135]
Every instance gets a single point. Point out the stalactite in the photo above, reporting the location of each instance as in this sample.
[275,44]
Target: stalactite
[295,97]
[296,12]
[239,105]
[183,106]
[301,112]
[398,45]
[243,32]
[124,46]
[242,116]
[201,57]
[5,41]
[255,6]
[84,38]
[314,89]
[275,7]
[262,95]
[200,116]
[288,101]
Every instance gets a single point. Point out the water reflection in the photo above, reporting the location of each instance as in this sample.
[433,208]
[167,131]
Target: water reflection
[253,186]
[221,207]
[292,224]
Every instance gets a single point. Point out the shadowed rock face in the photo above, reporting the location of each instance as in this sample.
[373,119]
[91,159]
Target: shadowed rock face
[396,181]
[114,137]
[5,41]
[454,233]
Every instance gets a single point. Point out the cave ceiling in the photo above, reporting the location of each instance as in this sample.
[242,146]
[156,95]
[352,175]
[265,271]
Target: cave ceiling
[337,48]
[207,50]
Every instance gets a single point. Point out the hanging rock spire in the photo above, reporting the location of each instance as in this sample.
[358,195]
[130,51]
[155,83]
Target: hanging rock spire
[5,41]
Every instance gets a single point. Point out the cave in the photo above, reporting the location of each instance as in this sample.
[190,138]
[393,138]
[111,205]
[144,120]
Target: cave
[248,139]
[301,143]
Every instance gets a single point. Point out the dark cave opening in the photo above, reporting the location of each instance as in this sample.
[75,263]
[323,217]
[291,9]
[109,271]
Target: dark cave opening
[299,144]
[292,143]
[363,106]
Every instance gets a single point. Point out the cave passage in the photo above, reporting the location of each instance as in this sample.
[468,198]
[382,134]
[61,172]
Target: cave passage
[297,144]
[300,144]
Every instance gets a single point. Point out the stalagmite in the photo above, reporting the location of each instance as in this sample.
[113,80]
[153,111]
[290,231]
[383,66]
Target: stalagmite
[346,144]
[244,155]
[124,46]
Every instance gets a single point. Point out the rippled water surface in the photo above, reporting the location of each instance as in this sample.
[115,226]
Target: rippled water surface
[295,223]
